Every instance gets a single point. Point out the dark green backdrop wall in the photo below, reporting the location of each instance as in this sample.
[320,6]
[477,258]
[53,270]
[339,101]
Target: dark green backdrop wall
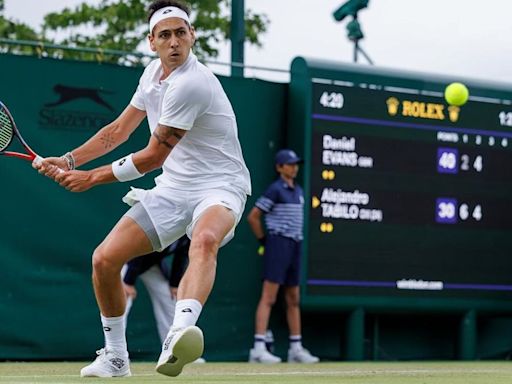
[47,235]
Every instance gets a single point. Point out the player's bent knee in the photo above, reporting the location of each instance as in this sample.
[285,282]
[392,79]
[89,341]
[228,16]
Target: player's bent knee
[206,240]
[103,263]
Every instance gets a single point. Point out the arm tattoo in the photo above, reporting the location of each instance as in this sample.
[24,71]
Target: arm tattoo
[167,136]
[161,140]
[107,140]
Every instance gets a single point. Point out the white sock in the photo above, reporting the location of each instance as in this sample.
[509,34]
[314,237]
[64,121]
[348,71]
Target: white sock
[114,331]
[187,312]
[295,342]
[259,342]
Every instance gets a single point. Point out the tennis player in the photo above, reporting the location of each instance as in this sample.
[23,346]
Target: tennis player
[201,192]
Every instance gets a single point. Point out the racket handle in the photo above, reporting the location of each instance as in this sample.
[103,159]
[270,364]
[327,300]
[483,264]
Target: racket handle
[38,160]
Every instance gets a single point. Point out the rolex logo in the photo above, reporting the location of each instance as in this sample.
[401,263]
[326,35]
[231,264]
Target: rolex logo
[393,104]
[453,113]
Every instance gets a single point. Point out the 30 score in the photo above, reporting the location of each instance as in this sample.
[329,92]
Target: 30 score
[449,211]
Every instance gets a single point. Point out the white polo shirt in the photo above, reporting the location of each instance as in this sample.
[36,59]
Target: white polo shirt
[192,98]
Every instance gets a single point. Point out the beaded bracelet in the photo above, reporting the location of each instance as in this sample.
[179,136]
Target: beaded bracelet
[70,160]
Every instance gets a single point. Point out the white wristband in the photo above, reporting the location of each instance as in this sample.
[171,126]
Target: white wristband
[125,170]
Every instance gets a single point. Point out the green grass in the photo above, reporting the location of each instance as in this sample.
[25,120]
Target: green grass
[323,373]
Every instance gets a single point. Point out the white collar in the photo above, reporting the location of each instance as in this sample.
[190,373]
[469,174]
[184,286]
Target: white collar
[191,59]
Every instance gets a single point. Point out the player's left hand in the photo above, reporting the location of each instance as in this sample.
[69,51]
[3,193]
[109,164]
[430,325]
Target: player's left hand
[50,166]
[75,181]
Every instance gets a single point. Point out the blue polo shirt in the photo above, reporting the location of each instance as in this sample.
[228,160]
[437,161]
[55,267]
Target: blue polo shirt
[284,209]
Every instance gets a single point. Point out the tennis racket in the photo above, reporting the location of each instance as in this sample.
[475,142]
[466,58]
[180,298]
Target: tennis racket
[8,131]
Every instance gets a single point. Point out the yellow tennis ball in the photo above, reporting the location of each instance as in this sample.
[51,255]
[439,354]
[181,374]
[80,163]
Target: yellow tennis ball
[261,250]
[456,94]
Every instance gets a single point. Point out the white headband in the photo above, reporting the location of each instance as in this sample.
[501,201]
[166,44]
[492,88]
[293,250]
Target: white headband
[165,13]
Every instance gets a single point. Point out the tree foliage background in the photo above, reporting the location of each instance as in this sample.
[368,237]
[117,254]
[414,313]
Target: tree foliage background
[121,25]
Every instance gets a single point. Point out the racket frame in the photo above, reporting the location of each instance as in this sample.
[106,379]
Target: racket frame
[31,155]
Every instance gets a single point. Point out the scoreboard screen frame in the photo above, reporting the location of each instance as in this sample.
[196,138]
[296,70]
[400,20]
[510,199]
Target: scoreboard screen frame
[325,83]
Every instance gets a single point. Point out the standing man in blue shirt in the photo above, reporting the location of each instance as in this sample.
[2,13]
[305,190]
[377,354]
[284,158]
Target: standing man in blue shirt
[282,204]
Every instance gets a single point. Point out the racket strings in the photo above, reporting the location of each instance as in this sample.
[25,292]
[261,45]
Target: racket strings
[6,131]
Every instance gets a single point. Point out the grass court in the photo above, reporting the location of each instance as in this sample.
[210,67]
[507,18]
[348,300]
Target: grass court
[322,373]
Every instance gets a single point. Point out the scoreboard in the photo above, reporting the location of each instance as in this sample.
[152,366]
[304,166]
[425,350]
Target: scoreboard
[409,199]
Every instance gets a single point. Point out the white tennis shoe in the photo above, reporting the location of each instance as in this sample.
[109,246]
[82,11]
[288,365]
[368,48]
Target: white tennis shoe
[107,364]
[301,355]
[262,356]
[181,347]
[201,360]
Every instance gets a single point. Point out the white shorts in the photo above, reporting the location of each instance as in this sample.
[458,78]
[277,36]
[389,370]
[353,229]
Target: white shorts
[174,212]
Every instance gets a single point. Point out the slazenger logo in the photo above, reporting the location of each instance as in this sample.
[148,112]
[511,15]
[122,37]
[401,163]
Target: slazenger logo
[67,94]
[64,114]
